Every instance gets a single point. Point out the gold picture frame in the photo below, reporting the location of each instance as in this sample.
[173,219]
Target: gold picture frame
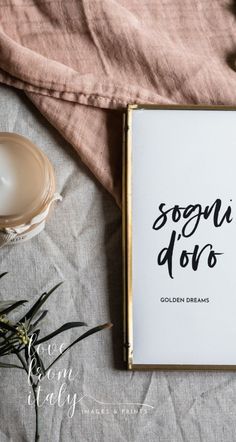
[127,241]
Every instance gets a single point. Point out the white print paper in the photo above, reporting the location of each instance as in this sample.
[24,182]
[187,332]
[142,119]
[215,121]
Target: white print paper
[184,236]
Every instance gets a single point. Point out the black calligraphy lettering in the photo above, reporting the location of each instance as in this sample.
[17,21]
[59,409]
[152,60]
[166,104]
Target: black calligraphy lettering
[166,254]
[184,259]
[162,218]
[192,215]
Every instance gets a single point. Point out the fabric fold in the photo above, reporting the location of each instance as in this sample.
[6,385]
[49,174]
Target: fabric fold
[81,63]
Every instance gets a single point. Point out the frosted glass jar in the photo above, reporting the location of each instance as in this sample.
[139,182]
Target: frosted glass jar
[27,189]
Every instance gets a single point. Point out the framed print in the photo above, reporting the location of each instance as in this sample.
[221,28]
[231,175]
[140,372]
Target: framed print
[179,237]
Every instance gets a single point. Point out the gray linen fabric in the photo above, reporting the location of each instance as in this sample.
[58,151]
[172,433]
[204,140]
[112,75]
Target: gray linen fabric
[82,246]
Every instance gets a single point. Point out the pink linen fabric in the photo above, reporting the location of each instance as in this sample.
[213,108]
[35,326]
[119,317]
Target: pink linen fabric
[82,61]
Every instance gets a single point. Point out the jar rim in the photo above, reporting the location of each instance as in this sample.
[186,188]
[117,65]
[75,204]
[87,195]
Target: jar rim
[40,203]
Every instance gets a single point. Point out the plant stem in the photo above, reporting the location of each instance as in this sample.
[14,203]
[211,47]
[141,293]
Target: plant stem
[34,388]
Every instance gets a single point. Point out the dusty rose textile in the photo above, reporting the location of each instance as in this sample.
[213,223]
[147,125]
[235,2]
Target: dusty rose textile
[82,61]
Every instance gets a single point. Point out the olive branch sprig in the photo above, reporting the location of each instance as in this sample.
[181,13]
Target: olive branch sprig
[20,338]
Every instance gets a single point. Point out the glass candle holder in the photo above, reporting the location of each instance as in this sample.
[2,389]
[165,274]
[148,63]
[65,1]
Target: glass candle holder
[27,189]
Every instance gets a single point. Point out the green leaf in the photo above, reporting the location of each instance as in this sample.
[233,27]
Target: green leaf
[63,328]
[4,304]
[12,307]
[40,364]
[85,335]
[2,365]
[3,274]
[6,326]
[7,350]
[35,336]
[11,343]
[26,351]
[41,316]
[43,298]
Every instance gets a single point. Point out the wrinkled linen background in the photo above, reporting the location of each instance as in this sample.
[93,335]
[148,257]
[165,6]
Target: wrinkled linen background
[80,63]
